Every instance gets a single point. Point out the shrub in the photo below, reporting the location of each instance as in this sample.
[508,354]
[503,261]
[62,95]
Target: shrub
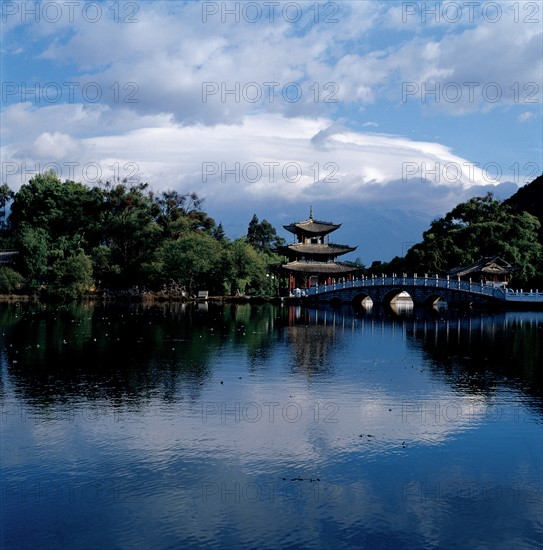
[10,280]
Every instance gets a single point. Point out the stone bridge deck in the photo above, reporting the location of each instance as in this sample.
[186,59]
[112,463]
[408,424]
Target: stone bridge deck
[424,290]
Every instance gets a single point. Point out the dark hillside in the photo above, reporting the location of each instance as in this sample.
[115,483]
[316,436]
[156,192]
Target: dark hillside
[529,199]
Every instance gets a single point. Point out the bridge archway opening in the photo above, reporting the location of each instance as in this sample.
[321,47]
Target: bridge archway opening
[399,301]
[436,301]
[399,298]
[362,301]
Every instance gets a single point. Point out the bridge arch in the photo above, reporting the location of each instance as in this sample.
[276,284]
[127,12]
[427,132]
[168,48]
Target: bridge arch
[422,290]
[435,298]
[362,299]
[395,295]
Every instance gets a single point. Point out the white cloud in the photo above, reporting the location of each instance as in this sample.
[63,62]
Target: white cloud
[152,117]
[55,146]
[473,68]
[266,156]
[170,57]
[524,117]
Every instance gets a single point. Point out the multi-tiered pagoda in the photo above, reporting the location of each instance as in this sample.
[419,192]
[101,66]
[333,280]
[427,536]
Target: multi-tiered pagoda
[312,259]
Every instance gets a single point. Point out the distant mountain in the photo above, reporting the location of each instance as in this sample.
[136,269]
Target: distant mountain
[529,199]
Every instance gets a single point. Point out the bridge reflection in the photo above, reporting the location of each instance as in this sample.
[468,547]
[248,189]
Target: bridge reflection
[506,343]
[403,314]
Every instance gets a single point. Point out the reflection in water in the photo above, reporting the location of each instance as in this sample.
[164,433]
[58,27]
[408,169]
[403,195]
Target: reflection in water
[312,347]
[402,307]
[124,352]
[266,427]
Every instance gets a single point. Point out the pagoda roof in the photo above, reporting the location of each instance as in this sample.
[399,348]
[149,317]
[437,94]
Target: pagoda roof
[491,265]
[317,249]
[326,268]
[313,227]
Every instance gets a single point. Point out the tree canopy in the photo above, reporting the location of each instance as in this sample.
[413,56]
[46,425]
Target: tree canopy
[116,236]
[262,235]
[72,238]
[479,227]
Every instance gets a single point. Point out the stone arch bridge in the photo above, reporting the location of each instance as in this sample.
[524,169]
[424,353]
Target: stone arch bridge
[423,291]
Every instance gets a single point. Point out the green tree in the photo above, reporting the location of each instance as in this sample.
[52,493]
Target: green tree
[479,227]
[33,245]
[218,233]
[105,268]
[193,261]
[130,232]
[59,208]
[244,268]
[263,236]
[10,280]
[179,213]
[70,277]
[6,196]
[129,235]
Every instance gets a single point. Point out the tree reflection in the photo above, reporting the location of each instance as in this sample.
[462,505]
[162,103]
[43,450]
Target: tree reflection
[136,352]
[123,351]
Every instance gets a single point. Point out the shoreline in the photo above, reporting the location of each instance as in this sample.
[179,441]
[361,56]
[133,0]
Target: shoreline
[161,299]
[150,297]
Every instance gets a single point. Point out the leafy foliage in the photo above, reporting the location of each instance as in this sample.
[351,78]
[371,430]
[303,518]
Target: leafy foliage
[59,208]
[118,236]
[191,261]
[263,236]
[70,277]
[10,280]
[33,244]
[72,237]
[6,196]
[473,229]
[529,199]
[129,232]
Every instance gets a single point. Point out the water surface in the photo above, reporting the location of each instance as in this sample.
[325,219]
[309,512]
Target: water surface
[269,427]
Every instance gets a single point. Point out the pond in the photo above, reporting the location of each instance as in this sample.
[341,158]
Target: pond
[179,426]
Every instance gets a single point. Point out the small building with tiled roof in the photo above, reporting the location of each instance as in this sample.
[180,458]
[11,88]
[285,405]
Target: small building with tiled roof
[312,258]
[490,269]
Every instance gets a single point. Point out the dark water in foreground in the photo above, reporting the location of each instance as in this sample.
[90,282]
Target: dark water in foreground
[267,427]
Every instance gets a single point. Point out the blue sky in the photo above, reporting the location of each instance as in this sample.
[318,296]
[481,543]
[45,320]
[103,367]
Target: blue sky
[382,115]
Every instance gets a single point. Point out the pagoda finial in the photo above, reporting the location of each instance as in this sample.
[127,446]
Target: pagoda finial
[310,212]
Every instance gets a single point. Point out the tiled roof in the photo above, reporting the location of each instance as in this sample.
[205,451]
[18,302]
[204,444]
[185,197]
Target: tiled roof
[314,227]
[326,268]
[317,249]
[493,265]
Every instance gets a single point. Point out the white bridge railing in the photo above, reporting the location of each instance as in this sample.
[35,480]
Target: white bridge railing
[405,283]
